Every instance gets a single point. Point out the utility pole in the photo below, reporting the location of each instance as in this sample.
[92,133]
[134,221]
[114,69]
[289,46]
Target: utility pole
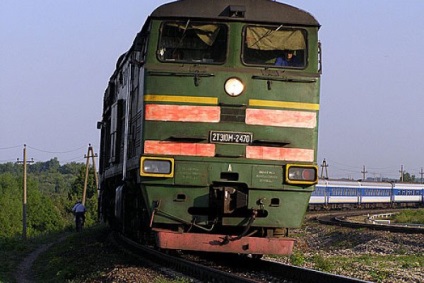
[90,154]
[421,173]
[24,198]
[363,173]
[324,165]
[401,173]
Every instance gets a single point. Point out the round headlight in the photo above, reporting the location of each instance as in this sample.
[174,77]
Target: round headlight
[234,87]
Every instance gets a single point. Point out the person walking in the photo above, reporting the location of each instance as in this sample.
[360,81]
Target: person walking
[79,212]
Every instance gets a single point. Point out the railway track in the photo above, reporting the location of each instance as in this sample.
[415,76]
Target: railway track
[343,219]
[229,268]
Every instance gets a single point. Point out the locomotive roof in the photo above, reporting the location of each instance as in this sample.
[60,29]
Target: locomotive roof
[246,10]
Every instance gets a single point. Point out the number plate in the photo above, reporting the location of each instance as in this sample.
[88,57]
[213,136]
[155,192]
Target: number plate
[230,137]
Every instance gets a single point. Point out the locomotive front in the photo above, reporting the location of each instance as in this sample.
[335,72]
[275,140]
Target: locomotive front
[222,118]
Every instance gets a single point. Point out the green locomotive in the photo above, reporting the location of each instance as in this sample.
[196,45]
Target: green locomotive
[209,128]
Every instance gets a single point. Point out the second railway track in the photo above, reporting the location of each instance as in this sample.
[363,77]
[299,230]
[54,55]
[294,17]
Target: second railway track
[343,219]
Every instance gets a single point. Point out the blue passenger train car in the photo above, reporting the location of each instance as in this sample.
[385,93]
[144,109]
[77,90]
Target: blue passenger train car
[339,194]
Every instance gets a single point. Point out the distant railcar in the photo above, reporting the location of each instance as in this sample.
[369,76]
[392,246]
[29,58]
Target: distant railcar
[209,127]
[339,194]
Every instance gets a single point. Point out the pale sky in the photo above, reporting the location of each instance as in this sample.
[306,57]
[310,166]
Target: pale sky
[57,56]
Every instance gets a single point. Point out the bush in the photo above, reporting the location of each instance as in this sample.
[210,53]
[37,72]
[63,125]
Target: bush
[297,259]
[321,263]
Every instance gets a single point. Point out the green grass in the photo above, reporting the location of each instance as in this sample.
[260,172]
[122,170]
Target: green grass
[86,257]
[80,257]
[14,250]
[415,216]
[379,267]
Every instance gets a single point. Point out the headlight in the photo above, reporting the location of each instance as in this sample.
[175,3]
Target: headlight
[157,167]
[233,87]
[301,174]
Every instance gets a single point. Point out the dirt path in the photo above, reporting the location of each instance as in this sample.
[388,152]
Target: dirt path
[23,272]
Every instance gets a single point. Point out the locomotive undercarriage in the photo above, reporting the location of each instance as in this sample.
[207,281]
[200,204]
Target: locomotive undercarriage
[138,221]
[226,201]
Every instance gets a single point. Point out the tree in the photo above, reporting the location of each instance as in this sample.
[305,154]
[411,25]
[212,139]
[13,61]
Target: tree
[408,178]
[43,215]
[10,167]
[10,206]
[71,168]
[52,165]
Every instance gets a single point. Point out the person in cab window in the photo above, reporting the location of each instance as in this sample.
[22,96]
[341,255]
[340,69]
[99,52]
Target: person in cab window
[288,59]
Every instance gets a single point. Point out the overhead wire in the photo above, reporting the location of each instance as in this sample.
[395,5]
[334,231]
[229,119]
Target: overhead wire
[353,169]
[10,147]
[65,159]
[55,152]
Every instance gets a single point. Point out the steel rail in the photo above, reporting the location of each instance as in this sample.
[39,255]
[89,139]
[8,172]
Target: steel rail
[305,275]
[341,220]
[284,272]
[191,269]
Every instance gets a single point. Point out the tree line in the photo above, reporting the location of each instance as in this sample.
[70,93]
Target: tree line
[52,190]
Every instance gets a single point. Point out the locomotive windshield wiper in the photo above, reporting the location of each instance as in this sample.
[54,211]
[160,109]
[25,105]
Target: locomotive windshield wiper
[270,79]
[285,79]
[180,43]
[196,75]
[181,74]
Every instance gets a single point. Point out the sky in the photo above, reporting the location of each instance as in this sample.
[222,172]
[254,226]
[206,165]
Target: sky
[56,58]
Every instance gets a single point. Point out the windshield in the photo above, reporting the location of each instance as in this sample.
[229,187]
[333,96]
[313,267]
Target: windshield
[275,46]
[192,42]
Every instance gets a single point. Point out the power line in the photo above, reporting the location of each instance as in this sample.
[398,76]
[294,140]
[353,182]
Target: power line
[56,152]
[10,147]
[59,153]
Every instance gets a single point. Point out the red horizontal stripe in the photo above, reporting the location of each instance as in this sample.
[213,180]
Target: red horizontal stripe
[182,113]
[177,148]
[276,153]
[281,118]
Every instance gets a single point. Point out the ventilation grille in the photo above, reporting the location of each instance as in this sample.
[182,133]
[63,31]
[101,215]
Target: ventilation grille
[232,114]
